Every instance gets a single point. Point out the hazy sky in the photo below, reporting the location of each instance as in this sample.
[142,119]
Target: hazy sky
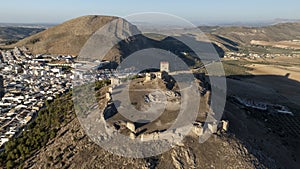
[196,11]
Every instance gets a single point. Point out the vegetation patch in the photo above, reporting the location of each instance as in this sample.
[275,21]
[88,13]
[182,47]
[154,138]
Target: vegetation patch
[44,128]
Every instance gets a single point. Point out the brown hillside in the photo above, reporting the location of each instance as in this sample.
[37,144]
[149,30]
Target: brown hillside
[273,33]
[66,38]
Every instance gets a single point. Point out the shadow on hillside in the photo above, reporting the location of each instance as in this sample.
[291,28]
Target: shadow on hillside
[174,45]
[227,40]
[272,138]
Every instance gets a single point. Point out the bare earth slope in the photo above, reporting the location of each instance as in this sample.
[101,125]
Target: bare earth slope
[67,38]
[278,32]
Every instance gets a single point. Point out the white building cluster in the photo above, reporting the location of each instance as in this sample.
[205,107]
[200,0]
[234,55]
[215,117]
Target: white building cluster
[28,82]
[253,56]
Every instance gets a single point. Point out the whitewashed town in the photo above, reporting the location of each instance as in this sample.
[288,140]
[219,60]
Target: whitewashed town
[27,83]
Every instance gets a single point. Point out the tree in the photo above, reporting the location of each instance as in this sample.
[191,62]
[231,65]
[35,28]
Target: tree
[9,164]
[38,133]
[10,156]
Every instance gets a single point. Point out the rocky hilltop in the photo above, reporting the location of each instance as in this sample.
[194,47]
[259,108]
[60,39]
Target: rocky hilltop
[69,37]
[254,139]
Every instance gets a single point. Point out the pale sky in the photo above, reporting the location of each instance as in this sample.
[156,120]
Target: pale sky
[196,11]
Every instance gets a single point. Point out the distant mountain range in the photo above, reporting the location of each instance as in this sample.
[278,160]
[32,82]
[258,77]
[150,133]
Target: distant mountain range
[72,148]
[28,25]
[10,35]
[248,23]
[69,37]
[242,34]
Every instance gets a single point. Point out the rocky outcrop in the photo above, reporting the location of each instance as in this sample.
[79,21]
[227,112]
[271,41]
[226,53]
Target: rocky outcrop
[183,158]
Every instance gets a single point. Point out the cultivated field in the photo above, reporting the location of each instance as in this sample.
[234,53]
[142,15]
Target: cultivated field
[282,66]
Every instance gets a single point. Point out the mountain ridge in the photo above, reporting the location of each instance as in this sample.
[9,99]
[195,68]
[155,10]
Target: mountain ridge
[69,37]
[66,38]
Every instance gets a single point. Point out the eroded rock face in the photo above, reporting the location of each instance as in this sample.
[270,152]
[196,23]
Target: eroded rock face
[123,29]
[104,42]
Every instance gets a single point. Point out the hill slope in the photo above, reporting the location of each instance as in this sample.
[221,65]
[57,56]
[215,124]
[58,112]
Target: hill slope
[12,34]
[244,35]
[69,37]
[66,38]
